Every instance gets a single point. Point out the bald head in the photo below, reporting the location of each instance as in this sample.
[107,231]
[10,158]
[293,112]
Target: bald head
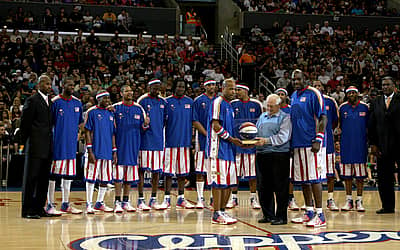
[45,84]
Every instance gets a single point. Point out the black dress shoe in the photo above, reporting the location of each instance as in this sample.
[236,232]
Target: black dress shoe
[278,222]
[264,220]
[385,211]
[31,216]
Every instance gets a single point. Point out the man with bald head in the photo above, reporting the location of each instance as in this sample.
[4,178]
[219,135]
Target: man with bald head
[36,135]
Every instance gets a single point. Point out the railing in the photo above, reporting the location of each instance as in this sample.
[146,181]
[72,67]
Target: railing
[229,52]
[264,82]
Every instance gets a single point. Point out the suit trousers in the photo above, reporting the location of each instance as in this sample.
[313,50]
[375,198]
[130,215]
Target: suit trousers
[386,169]
[273,179]
[35,184]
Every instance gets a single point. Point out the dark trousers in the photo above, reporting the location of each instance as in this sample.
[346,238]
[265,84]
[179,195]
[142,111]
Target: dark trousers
[273,178]
[34,187]
[385,169]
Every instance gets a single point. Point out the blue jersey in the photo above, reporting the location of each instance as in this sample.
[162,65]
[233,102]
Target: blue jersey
[245,111]
[67,115]
[307,106]
[101,122]
[286,109]
[217,147]
[128,122]
[332,115]
[178,128]
[201,109]
[155,108]
[353,123]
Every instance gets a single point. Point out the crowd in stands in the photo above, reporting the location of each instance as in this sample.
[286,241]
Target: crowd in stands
[79,18]
[337,56]
[328,7]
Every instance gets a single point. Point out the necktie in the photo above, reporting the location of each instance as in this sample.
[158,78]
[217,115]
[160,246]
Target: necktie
[388,102]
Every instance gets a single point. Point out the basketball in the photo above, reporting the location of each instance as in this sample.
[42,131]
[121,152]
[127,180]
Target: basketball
[248,131]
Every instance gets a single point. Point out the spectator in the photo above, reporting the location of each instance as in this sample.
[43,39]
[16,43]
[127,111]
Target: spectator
[109,19]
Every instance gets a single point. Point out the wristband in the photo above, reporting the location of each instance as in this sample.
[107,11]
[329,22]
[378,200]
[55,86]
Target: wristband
[89,146]
[114,149]
[320,137]
[223,133]
[145,127]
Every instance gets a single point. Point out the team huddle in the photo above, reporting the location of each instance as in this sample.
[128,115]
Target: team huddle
[154,134]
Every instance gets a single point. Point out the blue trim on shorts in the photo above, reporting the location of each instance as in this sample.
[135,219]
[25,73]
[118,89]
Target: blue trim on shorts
[150,170]
[309,182]
[200,172]
[61,175]
[97,181]
[246,178]
[214,185]
[330,175]
[351,177]
[125,182]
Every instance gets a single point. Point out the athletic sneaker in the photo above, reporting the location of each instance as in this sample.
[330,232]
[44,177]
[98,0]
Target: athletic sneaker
[51,209]
[348,206]
[200,203]
[331,205]
[67,208]
[232,203]
[166,203]
[89,208]
[126,205]
[359,206]
[292,205]
[229,217]
[220,218]
[153,203]
[182,203]
[117,207]
[141,205]
[307,216]
[254,203]
[100,206]
[317,221]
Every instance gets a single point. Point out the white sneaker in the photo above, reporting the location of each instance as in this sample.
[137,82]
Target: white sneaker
[254,203]
[317,221]
[182,203]
[117,207]
[229,218]
[66,208]
[200,204]
[292,205]
[101,206]
[166,203]
[348,206]
[359,206]
[306,217]
[51,209]
[142,205]
[89,208]
[126,205]
[153,203]
[303,207]
[233,202]
[331,205]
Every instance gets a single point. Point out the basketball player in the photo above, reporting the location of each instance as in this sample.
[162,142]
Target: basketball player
[309,121]
[178,140]
[353,146]
[152,143]
[131,121]
[102,151]
[285,107]
[332,115]
[67,116]
[220,149]
[201,108]
[246,110]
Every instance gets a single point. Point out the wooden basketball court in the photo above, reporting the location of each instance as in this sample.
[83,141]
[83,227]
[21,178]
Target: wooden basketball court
[192,229]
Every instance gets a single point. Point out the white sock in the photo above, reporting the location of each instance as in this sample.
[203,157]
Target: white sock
[349,197]
[310,208]
[89,192]
[253,195]
[319,210]
[50,192]
[234,196]
[101,193]
[359,198]
[200,189]
[330,196]
[66,188]
[166,197]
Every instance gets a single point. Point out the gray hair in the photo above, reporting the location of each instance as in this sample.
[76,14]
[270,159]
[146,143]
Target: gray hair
[224,83]
[274,97]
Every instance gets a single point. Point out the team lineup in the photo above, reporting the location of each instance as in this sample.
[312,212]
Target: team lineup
[294,145]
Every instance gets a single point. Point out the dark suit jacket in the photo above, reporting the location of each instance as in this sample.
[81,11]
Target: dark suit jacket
[384,125]
[36,125]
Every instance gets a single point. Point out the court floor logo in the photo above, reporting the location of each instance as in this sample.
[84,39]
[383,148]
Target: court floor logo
[235,242]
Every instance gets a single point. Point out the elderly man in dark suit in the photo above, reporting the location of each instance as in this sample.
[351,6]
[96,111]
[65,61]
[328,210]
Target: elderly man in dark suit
[384,136]
[36,135]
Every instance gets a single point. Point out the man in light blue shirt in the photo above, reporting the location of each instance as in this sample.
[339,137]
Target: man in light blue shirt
[274,131]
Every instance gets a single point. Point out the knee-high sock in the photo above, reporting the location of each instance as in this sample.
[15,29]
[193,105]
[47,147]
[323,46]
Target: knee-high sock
[66,189]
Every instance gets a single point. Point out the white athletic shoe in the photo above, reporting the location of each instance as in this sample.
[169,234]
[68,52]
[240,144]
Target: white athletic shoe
[348,206]
[142,205]
[117,207]
[331,205]
[126,205]
[233,202]
[359,206]
[293,206]
[254,203]
[89,208]
[200,204]
[51,209]
[182,203]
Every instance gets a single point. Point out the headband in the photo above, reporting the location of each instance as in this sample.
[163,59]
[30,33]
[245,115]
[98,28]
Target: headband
[240,86]
[281,90]
[209,82]
[102,94]
[155,81]
[351,88]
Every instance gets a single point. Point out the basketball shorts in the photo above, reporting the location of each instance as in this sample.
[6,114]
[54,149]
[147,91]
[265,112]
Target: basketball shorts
[100,171]
[201,162]
[246,166]
[177,161]
[221,173]
[63,168]
[308,167]
[151,160]
[356,170]
[125,174]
